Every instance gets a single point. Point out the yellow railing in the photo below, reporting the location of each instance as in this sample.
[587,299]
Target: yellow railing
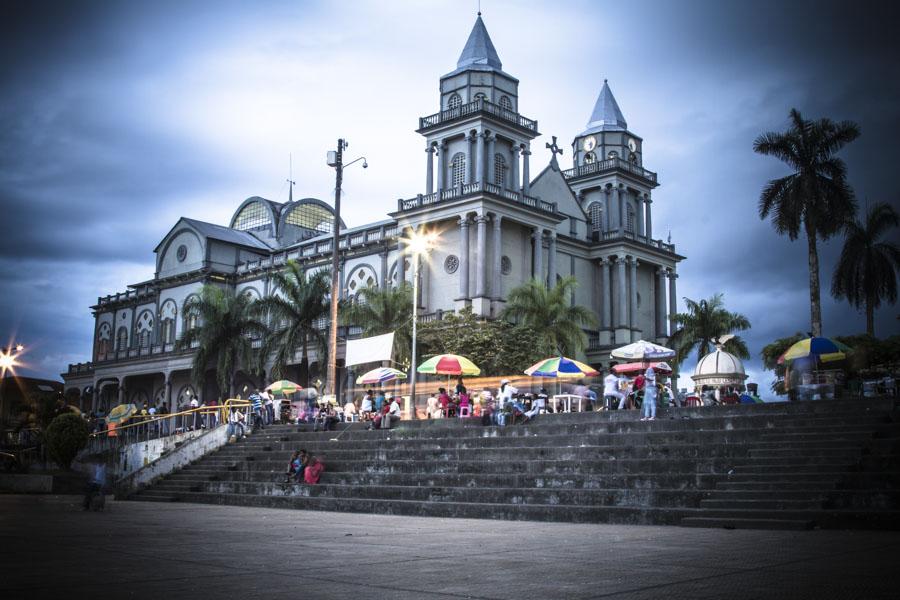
[138,420]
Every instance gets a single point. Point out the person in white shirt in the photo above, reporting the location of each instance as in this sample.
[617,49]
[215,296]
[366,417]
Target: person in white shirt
[349,411]
[611,391]
[365,409]
[539,404]
[393,415]
[432,409]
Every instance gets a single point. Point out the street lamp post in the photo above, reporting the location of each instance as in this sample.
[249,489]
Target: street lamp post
[336,160]
[418,245]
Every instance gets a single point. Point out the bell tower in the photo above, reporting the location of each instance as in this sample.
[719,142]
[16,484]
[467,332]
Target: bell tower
[478,137]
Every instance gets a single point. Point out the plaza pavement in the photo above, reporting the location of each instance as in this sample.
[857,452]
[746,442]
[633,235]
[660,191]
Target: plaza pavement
[49,548]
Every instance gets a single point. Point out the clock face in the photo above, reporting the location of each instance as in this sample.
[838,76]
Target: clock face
[632,145]
[589,143]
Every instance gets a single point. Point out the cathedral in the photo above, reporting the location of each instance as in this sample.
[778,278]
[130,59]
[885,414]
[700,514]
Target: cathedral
[499,228]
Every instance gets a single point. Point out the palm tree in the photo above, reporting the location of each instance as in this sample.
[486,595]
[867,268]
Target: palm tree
[816,196]
[383,310]
[224,335]
[770,355]
[297,311]
[557,324]
[866,273]
[703,324]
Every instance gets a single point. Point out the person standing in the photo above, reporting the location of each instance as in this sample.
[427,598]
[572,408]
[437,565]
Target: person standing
[379,401]
[268,407]
[256,404]
[97,481]
[195,415]
[649,407]
[611,393]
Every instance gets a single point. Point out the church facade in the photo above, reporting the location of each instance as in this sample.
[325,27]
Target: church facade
[498,225]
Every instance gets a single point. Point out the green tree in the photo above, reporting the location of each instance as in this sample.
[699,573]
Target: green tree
[770,355]
[66,435]
[224,334]
[383,310]
[497,347]
[296,311]
[816,197]
[705,322]
[866,273]
[555,322]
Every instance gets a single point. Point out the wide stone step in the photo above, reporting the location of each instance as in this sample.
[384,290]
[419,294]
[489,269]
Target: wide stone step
[731,523]
[755,504]
[763,485]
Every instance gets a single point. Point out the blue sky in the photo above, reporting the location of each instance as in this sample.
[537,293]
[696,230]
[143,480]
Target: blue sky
[119,117]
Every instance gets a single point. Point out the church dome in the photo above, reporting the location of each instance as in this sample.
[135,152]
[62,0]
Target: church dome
[719,368]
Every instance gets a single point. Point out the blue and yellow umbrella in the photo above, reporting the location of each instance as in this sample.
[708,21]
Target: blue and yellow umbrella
[560,366]
[820,348]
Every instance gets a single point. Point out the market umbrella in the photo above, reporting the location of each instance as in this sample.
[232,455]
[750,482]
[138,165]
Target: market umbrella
[448,364]
[283,387]
[821,348]
[380,375]
[560,366]
[642,350]
[121,413]
[636,367]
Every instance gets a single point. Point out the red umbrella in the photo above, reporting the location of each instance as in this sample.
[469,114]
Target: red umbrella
[636,367]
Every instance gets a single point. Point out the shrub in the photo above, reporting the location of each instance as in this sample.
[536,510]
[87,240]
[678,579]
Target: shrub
[65,437]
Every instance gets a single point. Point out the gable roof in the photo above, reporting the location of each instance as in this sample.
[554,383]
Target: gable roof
[218,232]
[550,185]
[607,116]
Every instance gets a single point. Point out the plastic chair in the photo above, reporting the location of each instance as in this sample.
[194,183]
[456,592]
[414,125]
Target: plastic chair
[464,412]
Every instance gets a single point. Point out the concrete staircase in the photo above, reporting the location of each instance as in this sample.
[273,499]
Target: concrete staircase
[832,464]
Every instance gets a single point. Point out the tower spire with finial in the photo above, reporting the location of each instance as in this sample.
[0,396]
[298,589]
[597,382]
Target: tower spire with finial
[290,178]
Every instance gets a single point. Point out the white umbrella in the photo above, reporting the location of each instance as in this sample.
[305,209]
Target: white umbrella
[642,350]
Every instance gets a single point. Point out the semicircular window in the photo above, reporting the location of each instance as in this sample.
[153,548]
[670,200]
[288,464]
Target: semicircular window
[253,216]
[311,216]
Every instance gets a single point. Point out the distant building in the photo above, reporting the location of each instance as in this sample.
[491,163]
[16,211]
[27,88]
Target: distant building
[17,393]
[500,227]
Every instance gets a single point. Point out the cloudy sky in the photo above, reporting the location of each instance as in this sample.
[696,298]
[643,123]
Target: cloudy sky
[116,118]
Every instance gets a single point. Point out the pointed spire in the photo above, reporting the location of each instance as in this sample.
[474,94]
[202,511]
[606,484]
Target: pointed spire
[479,50]
[606,116]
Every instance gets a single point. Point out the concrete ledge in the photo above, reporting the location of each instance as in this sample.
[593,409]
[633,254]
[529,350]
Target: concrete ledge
[27,484]
[181,456]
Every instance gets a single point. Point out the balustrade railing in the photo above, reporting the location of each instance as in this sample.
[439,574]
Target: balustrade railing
[609,164]
[474,108]
[471,189]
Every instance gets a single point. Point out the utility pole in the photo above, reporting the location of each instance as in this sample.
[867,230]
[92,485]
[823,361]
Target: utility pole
[336,160]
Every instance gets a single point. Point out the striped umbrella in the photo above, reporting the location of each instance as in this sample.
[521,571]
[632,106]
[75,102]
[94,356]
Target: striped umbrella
[449,364]
[642,350]
[121,413]
[560,366]
[824,349]
[283,387]
[380,375]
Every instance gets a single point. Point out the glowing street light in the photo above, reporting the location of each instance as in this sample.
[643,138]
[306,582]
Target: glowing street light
[8,358]
[418,244]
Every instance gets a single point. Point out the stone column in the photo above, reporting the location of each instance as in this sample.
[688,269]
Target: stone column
[639,216]
[470,140]
[167,394]
[442,167]
[95,397]
[401,263]
[551,261]
[526,173]
[514,170]
[121,390]
[607,205]
[463,258]
[479,159]
[661,304]
[537,237]
[496,286]
[605,298]
[620,200]
[384,268]
[649,229]
[621,294]
[429,170]
[632,308]
[673,299]
[490,157]
[481,263]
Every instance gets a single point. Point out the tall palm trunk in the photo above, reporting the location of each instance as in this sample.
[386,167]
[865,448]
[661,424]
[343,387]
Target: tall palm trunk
[815,303]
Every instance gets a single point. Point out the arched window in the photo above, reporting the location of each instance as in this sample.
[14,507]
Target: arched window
[104,339]
[589,158]
[480,96]
[499,170]
[612,154]
[595,212]
[458,169]
[122,339]
[454,102]
[144,329]
[191,320]
[629,221]
[360,279]
[167,315]
[505,103]
[311,216]
[253,216]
